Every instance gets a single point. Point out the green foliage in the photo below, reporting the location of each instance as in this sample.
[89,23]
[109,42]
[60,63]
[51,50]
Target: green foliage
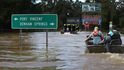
[9,7]
[110,10]
[87,1]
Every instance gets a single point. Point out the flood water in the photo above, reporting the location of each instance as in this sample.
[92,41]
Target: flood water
[65,52]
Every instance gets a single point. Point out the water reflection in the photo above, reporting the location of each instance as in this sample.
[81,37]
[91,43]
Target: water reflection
[66,52]
[44,68]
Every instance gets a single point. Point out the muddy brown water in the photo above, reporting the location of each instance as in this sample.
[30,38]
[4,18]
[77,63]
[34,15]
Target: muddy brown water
[66,52]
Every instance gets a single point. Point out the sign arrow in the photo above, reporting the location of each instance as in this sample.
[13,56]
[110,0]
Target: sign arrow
[15,18]
[52,24]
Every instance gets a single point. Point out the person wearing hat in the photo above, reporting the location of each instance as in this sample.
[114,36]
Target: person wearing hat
[97,36]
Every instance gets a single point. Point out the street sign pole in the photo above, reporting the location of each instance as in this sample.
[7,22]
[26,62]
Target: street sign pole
[46,40]
[20,41]
[20,38]
[47,44]
[34,21]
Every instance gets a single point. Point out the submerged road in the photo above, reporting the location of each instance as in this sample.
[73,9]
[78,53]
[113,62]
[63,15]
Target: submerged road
[65,52]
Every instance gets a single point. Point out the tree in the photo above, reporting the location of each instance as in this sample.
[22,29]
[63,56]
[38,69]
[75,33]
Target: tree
[120,12]
[109,12]
[87,1]
[9,7]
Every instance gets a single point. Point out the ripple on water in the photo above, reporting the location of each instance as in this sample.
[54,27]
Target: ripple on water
[66,52]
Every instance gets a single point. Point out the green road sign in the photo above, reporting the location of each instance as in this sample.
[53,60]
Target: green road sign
[34,21]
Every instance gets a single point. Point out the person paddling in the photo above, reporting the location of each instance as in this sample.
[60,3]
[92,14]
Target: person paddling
[97,36]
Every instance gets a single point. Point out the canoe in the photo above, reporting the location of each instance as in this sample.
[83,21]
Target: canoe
[115,46]
[102,49]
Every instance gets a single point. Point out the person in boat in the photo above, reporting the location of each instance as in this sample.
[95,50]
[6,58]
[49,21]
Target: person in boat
[114,37]
[97,36]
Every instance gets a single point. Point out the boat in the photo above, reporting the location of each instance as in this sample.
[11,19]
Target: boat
[115,46]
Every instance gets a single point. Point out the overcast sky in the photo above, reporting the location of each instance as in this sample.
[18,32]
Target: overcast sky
[80,0]
[85,0]
[37,1]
